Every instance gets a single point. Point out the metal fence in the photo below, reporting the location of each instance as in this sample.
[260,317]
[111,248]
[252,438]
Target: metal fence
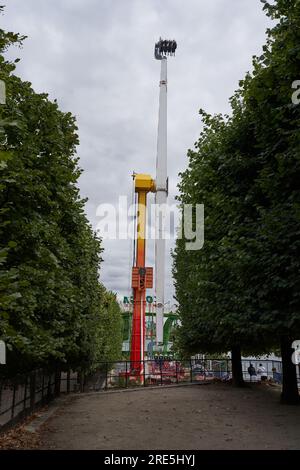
[165,371]
[125,374]
[273,370]
[23,394]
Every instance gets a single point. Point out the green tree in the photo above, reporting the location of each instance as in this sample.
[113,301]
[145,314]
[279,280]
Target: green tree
[8,276]
[242,289]
[110,330]
[54,312]
[267,99]
[209,283]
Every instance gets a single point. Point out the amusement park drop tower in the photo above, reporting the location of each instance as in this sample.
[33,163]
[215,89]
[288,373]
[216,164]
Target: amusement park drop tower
[142,277]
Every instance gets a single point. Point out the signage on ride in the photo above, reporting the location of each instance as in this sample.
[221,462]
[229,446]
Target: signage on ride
[129,300]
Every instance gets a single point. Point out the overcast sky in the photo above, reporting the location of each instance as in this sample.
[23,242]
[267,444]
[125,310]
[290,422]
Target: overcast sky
[96,58]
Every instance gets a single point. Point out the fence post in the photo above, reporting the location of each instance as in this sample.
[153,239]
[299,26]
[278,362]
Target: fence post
[49,387]
[81,381]
[57,383]
[160,367]
[13,402]
[25,394]
[32,389]
[176,366]
[68,381]
[106,374]
[144,372]
[126,383]
[191,371]
[43,385]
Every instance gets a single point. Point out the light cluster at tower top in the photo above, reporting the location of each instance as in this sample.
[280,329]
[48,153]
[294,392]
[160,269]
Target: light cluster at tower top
[165,47]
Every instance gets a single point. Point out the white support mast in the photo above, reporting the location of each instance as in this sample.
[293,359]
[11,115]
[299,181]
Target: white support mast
[162,49]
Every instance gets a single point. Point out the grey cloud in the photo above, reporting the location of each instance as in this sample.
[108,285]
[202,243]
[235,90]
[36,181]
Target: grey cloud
[96,58]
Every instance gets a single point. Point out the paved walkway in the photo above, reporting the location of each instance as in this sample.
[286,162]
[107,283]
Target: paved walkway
[214,416]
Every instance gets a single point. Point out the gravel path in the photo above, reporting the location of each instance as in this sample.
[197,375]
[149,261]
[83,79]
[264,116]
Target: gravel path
[214,416]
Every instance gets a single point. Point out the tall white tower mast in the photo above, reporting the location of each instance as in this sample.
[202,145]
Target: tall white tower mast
[162,49]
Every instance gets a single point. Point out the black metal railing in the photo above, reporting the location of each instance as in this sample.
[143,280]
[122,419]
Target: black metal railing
[23,394]
[160,371]
[165,371]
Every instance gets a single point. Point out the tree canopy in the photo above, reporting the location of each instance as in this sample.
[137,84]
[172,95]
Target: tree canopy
[53,308]
[242,288]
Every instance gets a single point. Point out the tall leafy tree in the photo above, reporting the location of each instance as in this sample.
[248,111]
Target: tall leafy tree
[54,314]
[267,98]
[245,169]
[214,304]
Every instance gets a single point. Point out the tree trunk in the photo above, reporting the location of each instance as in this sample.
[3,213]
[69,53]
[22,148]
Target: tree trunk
[237,371]
[290,394]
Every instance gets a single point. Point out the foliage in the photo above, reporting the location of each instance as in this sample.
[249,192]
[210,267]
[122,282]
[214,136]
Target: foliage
[242,288]
[110,330]
[53,309]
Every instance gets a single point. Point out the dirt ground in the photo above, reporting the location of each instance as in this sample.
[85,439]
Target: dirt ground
[214,416]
